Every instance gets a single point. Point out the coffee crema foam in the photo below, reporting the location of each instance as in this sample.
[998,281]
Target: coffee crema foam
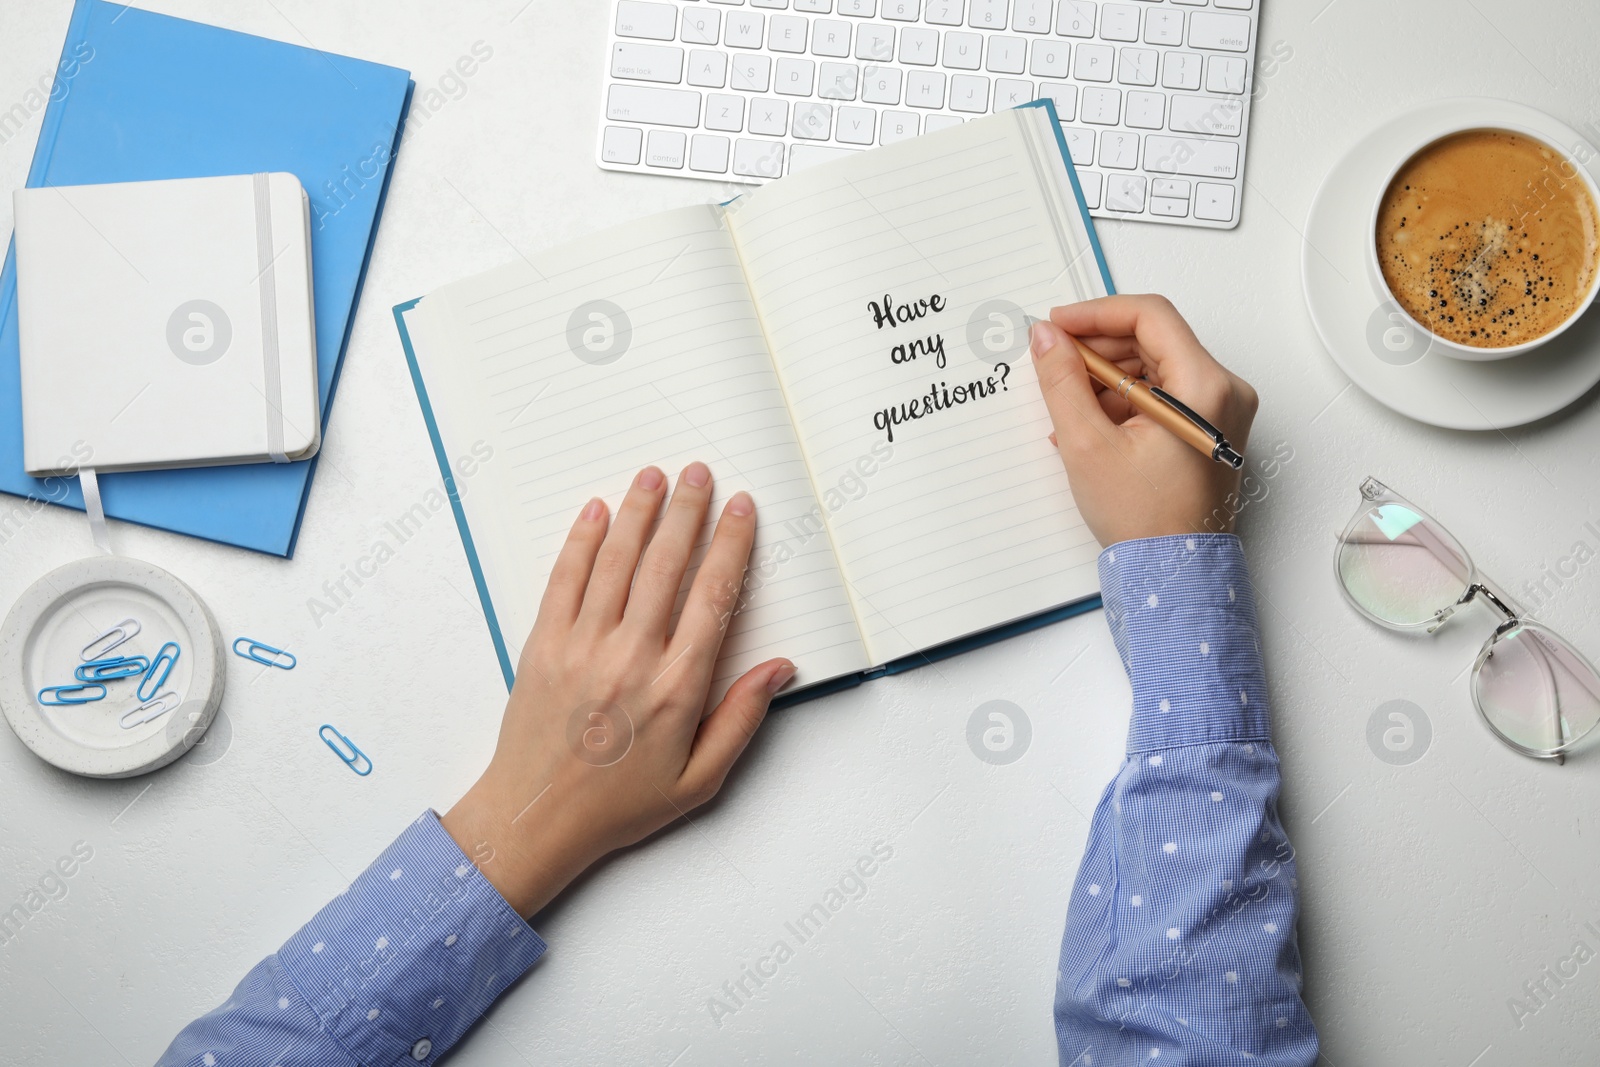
[1489,238]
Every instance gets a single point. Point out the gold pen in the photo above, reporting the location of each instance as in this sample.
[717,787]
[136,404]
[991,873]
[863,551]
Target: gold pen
[1160,405]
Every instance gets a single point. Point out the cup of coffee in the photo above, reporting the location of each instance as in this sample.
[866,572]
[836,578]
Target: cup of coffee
[1488,240]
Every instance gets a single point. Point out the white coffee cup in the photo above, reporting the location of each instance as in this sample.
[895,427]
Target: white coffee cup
[1567,170]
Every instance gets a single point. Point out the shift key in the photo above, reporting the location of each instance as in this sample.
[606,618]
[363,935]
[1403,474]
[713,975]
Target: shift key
[664,107]
[1201,157]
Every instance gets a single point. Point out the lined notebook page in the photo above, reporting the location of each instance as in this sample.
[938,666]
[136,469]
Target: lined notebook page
[969,523]
[526,358]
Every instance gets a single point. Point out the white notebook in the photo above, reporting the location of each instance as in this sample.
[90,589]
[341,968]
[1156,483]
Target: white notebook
[166,323]
[756,337]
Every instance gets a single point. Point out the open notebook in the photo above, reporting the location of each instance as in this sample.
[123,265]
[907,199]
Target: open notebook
[848,344]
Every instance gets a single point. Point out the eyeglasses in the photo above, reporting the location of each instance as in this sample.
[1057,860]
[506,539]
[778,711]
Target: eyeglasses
[1403,570]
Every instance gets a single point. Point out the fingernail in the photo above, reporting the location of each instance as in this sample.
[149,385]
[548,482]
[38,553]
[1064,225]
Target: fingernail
[651,478]
[1053,440]
[741,504]
[1044,339]
[593,510]
[780,678]
[697,474]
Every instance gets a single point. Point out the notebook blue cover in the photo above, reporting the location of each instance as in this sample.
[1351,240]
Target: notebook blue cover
[811,692]
[141,96]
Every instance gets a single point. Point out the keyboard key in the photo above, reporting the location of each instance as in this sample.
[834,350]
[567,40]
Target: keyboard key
[1125,192]
[881,85]
[620,144]
[936,123]
[1145,111]
[1220,116]
[1228,32]
[647,62]
[1163,26]
[757,159]
[963,51]
[1075,18]
[664,148]
[861,8]
[1136,66]
[919,45]
[708,153]
[1213,202]
[1006,54]
[663,107]
[795,77]
[1100,106]
[802,156]
[815,7]
[744,29]
[925,88]
[1191,155]
[658,22]
[896,126]
[1011,92]
[1184,3]
[700,26]
[1166,205]
[1170,187]
[1092,63]
[987,15]
[770,3]
[812,122]
[969,92]
[1180,70]
[787,33]
[725,111]
[1119,22]
[901,10]
[1119,149]
[769,116]
[1080,145]
[1090,181]
[1237,5]
[875,42]
[1051,58]
[838,81]
[1065,97]
[1031,16]
[830,37]
[708,68]
[752,73]
[1225,74]
[856,125]
[943,12]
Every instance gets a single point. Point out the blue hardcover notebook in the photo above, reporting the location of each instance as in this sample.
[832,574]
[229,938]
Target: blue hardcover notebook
[848,344]
[141,96]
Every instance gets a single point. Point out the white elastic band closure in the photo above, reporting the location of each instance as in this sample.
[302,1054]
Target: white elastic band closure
[93,508]
[268,287]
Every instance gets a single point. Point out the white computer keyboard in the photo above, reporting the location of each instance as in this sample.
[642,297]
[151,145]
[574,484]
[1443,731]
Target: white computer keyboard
[1153,95]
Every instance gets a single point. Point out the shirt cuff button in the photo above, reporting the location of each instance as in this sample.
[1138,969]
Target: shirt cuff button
[420,1050]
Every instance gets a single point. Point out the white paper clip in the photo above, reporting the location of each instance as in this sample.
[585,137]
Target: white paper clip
[153,708]
[113,637]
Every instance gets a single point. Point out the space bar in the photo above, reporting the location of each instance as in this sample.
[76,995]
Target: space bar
[667,107]
[1191,155]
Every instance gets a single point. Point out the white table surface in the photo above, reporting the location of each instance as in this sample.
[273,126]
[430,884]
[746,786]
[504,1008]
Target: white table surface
[1431,892]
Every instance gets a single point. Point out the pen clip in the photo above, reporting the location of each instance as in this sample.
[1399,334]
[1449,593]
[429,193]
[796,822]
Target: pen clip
[1222,450]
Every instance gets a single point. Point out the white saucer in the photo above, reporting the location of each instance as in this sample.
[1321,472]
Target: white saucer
[1393,363]
[41,644]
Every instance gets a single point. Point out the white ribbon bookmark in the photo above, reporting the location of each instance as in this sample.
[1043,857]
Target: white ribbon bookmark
[267,284]
[93,508]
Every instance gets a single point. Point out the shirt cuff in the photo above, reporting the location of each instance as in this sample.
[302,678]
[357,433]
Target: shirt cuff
[402,963]
[1183,616]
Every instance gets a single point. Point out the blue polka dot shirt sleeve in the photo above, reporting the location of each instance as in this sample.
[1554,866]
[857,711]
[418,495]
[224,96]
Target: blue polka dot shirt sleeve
[392,971]
[1180,939]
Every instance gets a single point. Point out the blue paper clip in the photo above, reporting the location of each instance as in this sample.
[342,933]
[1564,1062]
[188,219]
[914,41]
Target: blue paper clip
[57,695]
[356,756]
[106,670]
[160,667]
[274,656]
